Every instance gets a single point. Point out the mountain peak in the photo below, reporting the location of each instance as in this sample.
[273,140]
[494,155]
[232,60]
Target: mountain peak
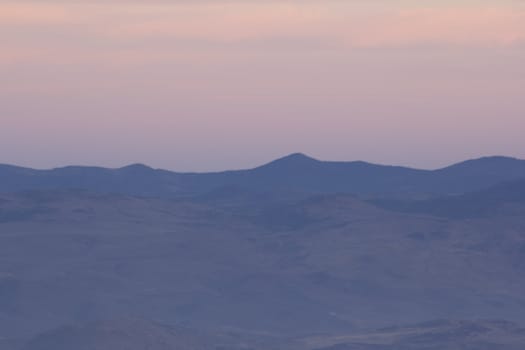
[296,157]
[136,167]
[291,160]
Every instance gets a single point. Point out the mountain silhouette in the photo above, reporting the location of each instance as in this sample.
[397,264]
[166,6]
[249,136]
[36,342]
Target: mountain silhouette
[296,172]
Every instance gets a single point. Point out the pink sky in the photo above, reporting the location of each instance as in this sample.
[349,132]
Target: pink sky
[216,84]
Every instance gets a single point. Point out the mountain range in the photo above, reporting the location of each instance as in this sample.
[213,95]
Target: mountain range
[294,172]
[295,254]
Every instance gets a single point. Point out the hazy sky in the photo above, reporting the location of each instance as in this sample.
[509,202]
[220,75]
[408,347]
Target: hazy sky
[215,84]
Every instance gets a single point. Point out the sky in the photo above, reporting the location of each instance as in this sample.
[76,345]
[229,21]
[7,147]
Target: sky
[200,85]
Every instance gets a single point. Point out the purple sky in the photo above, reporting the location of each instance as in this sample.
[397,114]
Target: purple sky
[216,84]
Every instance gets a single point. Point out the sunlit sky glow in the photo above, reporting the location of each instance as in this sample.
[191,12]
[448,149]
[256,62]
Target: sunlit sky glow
[215,84]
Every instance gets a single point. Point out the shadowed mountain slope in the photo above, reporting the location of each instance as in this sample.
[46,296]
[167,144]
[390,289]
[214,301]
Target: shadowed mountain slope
[505,199]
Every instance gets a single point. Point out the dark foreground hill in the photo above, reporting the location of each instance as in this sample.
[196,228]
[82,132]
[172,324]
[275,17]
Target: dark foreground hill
[295,172]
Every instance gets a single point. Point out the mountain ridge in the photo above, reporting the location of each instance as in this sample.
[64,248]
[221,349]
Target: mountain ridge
[292,157]
[297,172]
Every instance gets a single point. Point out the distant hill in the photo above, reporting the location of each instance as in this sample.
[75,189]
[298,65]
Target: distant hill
[133,180]
[295,172]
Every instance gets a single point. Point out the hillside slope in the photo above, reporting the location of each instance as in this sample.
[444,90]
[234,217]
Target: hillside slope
[286,266]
